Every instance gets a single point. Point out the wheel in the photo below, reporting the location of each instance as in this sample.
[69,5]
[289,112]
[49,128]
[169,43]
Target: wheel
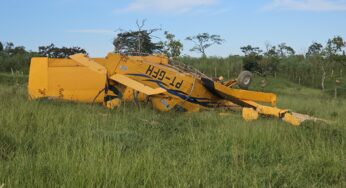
[244,79]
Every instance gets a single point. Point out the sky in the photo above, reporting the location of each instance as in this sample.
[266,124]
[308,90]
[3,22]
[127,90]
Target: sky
[93,24]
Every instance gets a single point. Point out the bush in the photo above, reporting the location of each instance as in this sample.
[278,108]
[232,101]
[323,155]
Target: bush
[17,62]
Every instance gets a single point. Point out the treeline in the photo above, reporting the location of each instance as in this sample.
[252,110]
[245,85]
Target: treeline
[14,58]
[297,68]
[320,65]
[323,66]
[17,58]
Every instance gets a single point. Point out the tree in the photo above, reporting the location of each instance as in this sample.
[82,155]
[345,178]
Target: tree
[335,52]
[335,46]
[315,49]
[252,58]
[55,52]
[9,47]
[18,50]
[249,50]
[269,64]
[203,41]
[137,42]
[270,50]
[172,47]
[1,47]
[284,50]
[327,58]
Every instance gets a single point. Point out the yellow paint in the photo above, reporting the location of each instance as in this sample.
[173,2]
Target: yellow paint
[113,103]
[249,114]
[69,82]
[137,85]
[144,78]
[245,94]
[89,63]
[38,79]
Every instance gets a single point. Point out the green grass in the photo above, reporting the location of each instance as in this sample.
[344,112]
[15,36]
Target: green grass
[61,144]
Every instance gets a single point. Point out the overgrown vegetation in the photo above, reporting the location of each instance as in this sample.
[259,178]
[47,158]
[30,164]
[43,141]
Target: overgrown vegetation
[322,67]
[60,144]
[16,59]
[52,143]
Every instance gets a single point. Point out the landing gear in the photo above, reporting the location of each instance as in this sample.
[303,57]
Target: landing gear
[244,79]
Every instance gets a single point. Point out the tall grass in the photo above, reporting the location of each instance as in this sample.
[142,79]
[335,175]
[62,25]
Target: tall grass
[60,144]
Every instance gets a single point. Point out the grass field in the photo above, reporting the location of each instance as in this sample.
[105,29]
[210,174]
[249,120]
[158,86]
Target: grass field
[60,144]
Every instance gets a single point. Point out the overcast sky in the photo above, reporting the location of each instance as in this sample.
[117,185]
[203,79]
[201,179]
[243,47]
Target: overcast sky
[93,24]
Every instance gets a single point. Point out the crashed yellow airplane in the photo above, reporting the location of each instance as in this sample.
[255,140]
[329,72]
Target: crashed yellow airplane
[118,78]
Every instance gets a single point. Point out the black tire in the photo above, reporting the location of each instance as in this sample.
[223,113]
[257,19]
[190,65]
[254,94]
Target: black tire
[244,79]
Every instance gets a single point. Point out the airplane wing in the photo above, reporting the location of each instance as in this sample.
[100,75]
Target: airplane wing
[122,79]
